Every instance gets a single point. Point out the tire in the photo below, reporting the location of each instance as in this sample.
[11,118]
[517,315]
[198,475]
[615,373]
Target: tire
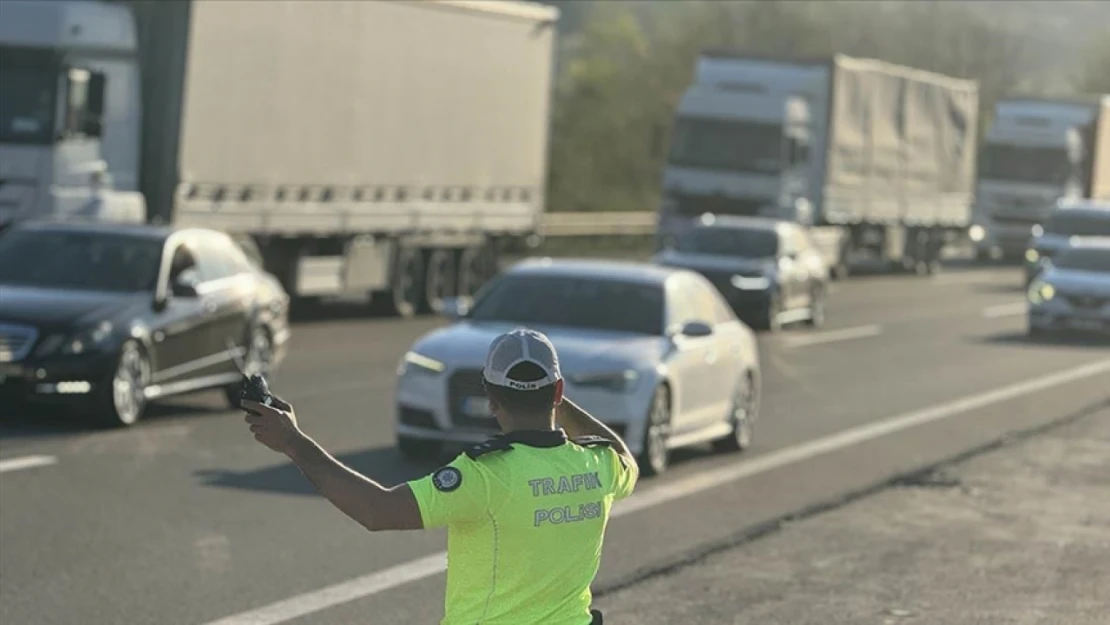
[768,319]
[470,272]
[743,413]
[418,449]
[655,457]
[258,359]
[123,402]
[440,280]
[816,307]
[406,291]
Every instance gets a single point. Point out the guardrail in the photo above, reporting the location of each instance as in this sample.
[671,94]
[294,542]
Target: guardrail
[584,224]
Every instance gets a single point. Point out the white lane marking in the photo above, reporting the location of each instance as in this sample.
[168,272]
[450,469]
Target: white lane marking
[366,585]
[833,336]
[1005,310]
[26,462]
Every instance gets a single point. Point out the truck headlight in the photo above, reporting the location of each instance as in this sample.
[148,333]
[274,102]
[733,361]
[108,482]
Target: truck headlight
[413,362]
[977,233]
[1041,292]
[617,381]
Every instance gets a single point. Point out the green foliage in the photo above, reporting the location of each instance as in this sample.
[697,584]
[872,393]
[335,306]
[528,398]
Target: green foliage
[625,65]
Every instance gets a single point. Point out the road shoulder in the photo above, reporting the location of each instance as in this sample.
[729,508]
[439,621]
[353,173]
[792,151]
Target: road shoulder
[1020,534]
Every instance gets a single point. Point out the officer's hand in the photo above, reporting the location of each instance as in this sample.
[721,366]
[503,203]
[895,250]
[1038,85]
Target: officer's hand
[274,426]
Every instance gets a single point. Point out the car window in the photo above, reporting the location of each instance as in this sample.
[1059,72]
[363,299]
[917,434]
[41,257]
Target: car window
[218,257]
[79,260]
[573,301]
[183,267]
[681,308]
[1079,223]
[737,242]
[704,304]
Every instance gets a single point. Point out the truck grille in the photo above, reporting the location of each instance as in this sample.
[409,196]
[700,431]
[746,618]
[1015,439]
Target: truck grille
[466,384]
[16,341]
[695,205]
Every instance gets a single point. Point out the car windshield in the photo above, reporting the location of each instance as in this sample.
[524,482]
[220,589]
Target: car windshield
[91,261]
[577,302]
[738,242]
[1025,164]
[1084,259]
[727,145]
[1079,224]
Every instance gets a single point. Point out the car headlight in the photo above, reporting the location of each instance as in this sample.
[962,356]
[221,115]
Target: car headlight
[751,283]
[81,342]
[618,381]
[413,362]
[976,233]
[1041,292]
[1032,255]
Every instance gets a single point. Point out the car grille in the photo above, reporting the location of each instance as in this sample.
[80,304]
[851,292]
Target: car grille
[1087,302]
[16,342]
[462,385]
[717,204]
[417,418]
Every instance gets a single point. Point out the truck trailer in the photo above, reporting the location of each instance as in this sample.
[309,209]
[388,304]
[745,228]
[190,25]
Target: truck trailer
[384,147]
[1037,153]
[878,160]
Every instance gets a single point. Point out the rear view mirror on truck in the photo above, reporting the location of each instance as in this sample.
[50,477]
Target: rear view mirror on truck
[94,105]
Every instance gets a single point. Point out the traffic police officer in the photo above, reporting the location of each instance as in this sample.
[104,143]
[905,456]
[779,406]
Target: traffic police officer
[525,511]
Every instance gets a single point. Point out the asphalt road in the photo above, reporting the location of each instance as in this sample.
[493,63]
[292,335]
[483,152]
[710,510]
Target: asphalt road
[184,519]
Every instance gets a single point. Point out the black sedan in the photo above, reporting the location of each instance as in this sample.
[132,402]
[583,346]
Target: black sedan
[103,318]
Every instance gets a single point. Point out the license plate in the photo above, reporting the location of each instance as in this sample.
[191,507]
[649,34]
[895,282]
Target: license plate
[477,407]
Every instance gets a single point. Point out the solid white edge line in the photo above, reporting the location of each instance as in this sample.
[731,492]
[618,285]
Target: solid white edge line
[1005,310]
[26,462]
[833,336]
[366,585]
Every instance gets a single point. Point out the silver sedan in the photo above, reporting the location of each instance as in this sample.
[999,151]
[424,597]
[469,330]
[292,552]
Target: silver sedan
[654,352]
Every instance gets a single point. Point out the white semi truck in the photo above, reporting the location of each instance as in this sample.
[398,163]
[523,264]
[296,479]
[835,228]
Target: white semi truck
[878,160]
[1038,152]
[381,147]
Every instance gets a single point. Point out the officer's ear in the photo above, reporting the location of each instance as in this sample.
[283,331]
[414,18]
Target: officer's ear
[558,392]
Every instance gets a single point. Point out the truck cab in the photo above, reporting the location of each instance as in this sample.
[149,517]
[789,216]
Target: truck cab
[1033,157]
[69,114]
[735,150]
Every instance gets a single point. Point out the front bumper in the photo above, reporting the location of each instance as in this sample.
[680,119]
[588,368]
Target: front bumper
[1071,312]
[56,380]
[448,407]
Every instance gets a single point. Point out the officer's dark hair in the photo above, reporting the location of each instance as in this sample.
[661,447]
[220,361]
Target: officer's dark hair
[537,402]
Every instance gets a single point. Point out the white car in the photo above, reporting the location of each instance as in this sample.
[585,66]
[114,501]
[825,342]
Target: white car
[1073,291]
[654,352]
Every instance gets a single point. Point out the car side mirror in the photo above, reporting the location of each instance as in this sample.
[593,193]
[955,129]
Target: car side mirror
[455,307]
[696,329]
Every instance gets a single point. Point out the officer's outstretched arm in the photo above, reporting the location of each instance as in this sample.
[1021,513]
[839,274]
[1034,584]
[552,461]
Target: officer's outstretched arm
[370,504]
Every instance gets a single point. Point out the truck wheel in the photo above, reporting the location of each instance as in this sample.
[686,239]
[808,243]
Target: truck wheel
[816,307]
[476,266]
[407,290]
[440,280]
